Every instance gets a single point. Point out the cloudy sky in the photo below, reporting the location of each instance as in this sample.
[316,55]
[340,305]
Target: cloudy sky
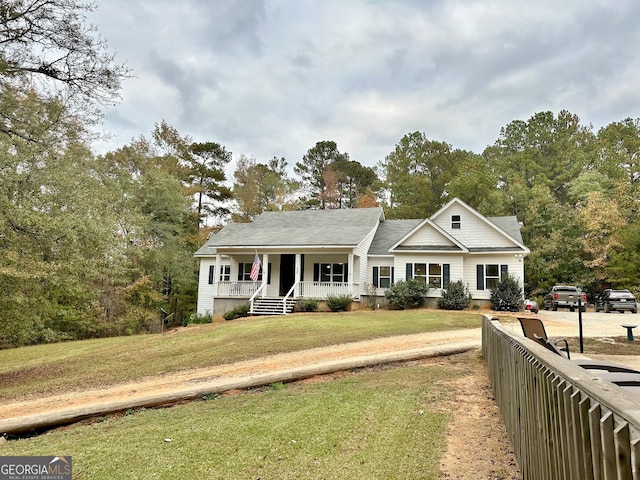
[271,78]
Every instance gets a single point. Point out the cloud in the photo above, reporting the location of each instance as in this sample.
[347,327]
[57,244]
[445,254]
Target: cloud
[272,78]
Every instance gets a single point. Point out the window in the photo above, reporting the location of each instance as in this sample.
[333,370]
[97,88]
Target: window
[330,272]
[489,275]
[225,273]
[456,222]
[435,275]
[244,272]
[382,277]
[420,272]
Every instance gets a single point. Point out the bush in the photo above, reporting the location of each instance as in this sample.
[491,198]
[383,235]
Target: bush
[507,296]
[237,312]
[196,318]
[406,294]
[455,297]
[339,303]
[309,305]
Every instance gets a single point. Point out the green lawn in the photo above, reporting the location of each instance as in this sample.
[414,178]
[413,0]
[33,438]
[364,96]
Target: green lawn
[383,423]
[56,368]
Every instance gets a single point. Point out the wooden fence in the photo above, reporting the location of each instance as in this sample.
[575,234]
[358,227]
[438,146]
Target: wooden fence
[564,422]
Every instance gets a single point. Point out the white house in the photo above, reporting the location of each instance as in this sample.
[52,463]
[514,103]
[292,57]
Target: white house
[315,253]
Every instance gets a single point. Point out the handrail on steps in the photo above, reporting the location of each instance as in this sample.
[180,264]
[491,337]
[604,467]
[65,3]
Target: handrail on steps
[253,297]
[286,297]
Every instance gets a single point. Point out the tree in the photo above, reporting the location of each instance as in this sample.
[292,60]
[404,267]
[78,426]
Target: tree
[544,150]
[312,170]
[46,45]
[55,232]
[258,187]
[206,163]
[352,180]
[476,184]
[619,150]
[417,174]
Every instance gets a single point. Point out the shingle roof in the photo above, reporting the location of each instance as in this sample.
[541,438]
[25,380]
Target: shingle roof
[389,232]
[341,227]
[508,225]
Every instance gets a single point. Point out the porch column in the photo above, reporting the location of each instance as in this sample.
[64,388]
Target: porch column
[298,270]
[350,272]
[265,273]
[216,276]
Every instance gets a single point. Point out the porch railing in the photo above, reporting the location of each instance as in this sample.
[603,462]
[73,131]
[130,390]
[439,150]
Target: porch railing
[237,289]
[324,289]
[306,289]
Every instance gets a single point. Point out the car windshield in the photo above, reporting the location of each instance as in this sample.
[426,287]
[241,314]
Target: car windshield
[619,294]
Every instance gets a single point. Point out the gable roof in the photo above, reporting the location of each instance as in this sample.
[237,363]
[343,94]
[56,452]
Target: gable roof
[438,239]
[340,227]
[508,227]
[388,234]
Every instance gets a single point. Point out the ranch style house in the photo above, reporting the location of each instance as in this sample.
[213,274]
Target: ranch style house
[286,256]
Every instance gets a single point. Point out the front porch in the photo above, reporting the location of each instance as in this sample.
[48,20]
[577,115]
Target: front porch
[283,278]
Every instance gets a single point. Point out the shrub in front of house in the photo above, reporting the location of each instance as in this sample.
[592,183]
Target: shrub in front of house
[237,312]
[507,296]
[196,318]
[339,303]
[406,294]
[455,297]
[309,305]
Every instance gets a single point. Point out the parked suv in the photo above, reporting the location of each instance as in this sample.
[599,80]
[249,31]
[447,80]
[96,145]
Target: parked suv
[565,296]
[618,300]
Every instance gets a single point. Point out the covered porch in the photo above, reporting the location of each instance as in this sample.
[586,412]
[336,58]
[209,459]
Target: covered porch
[284,275]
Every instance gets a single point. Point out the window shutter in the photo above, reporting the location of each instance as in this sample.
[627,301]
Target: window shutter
[393,276]
[409,274]
[375,277]
[302,267]
[240,271]
[504,271]
[316,272]
[446,275]
[346,273]
[269,274]
[480,277]
[212,269]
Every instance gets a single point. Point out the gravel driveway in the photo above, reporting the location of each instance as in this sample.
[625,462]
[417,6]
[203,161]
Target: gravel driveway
[566,323]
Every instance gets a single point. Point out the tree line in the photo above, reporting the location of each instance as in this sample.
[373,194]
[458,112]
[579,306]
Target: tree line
[96,245]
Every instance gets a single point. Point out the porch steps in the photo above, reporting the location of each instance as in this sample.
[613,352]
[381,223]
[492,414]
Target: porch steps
[271,306]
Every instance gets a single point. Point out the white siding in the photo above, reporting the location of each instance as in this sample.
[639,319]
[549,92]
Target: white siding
[514,265]
[363,276]
[427,235]
[473,232]
[205,291]
[456,266]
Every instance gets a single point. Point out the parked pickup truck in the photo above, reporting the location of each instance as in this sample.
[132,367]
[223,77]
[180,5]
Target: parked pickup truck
[564,296]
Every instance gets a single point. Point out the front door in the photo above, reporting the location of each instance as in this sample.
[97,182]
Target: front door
[287,273]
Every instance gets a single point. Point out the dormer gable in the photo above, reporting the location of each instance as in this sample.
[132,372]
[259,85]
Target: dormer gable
[427,237]
[474,230]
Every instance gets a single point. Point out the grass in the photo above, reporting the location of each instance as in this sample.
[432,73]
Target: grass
[62,367]
[376,423]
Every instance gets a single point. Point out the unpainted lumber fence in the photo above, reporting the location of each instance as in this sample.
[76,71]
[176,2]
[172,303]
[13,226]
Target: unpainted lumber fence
[564,422]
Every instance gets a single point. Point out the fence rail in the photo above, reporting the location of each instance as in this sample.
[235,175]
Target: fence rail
[564,422]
